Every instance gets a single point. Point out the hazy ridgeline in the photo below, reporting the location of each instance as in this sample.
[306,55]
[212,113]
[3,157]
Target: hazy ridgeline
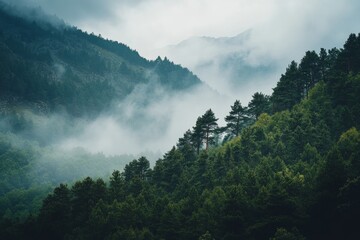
[80,110]
[73,104]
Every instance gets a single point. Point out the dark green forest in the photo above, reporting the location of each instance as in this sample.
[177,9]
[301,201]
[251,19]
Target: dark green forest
[53,77]
[288,167]
[61,68]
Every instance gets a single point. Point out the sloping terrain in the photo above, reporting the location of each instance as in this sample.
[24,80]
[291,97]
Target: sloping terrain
[59,67]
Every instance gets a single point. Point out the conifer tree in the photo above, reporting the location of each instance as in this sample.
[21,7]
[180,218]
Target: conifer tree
[209,127]
[197,135]
[310,71]
[185,140]
[289,90]
[236,119]
[259,104]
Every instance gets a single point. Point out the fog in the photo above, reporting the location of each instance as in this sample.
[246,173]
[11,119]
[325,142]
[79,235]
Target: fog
[246,48]
[227,64]
[150,119]
[148,122]
[281,28]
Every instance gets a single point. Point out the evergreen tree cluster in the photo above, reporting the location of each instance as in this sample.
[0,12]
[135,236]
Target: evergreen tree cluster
[294,173]
[206,131]
[63,69]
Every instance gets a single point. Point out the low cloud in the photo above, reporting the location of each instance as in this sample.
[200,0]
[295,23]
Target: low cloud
[151,118]
[281,31]
[138,126]
[281,28]
[227,64]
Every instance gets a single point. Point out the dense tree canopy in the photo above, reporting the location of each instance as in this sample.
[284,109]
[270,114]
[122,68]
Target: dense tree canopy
[64,68]
[292,174]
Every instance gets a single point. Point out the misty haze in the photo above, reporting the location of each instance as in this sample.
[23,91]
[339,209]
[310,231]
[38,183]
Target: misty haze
[179,120]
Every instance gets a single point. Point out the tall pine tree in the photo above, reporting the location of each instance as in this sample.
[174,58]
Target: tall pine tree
[259,104]
[197,135]
[289,90]
[310,71]
[237,118]
[209,127]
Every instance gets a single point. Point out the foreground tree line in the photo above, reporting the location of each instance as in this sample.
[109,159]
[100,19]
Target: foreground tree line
[290,172]
[206,131]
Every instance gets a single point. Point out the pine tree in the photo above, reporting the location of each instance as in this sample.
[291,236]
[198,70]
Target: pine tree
[209,127]
[186,147]
[259,104]
[289,90]
[324,64]
[237,118]
[197,135]
[310,70]
[185,140]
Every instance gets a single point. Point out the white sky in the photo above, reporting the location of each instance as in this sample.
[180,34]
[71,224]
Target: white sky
[281,26]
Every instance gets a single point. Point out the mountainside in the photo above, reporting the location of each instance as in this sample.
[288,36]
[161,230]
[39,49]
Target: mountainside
[291,171]
[286,166]
[57,82]
[59,67]
[225,63]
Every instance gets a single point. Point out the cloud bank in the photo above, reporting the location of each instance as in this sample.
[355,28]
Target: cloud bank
[281,30]
[281,27]
[150,119]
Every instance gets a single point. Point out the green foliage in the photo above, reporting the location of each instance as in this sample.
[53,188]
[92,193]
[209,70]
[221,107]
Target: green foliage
[288,90]
[309,69]
[197,135]
[204,131]
[283,234]
[259,104]
[137,169]
[29,172]
[209,127]
[67,69]
[256,195]
[237,119]
[290,175]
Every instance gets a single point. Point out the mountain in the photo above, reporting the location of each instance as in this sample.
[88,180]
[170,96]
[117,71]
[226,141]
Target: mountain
[292,173]
[287,168]
[52,66]
[57,84]
[225,63]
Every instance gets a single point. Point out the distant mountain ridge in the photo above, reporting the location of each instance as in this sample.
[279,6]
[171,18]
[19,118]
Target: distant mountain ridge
[239,38]
[68,69]
[225,63]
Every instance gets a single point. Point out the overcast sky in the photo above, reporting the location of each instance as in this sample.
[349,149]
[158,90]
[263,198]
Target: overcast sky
[280,26]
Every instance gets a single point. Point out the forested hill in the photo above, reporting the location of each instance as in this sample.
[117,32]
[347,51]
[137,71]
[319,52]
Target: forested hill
[290,171]
[56,67]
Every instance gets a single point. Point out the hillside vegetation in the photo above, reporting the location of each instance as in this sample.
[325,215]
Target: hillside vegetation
[54,79]
[290,171]
[61,68]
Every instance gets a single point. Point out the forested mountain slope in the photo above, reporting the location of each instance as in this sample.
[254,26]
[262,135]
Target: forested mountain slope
[294,173]
[58,67]
[54,79]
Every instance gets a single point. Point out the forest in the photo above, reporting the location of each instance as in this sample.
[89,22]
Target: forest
[287,166]
[51,68]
